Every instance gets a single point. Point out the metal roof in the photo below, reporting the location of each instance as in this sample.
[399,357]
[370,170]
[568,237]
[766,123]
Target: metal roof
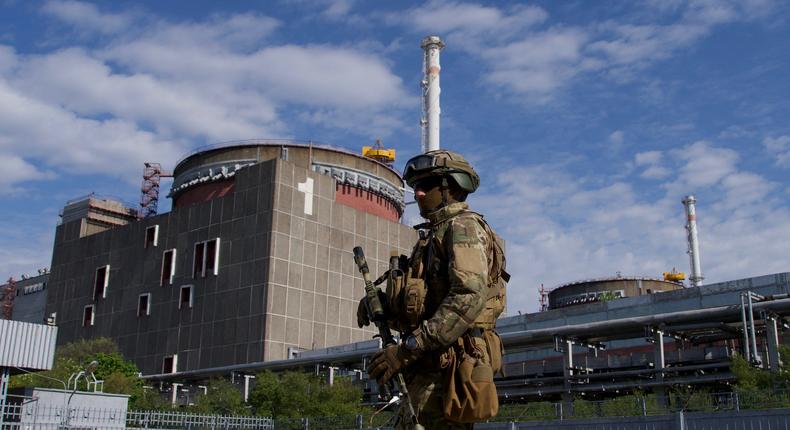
[27,345]
[614,278]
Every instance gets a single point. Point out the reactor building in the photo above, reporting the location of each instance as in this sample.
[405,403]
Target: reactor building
[252,264]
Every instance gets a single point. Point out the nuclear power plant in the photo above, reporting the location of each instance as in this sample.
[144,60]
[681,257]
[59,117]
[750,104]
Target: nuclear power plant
[252,264]
[252,269]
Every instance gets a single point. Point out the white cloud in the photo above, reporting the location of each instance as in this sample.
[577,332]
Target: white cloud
[16,171]
[60,139]
[338,9]
[538,62]
[655,172]
[616,138]
[460,19]
[650,163]
[150,94]
[704,165]
[560,227]
[86,16]
[26,238]
[779,148]
[648,158]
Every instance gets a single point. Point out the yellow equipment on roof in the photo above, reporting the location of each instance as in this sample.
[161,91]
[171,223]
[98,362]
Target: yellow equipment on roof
[674,276]
[379,153]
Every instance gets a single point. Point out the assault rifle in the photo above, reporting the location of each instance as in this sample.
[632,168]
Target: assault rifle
[378,317]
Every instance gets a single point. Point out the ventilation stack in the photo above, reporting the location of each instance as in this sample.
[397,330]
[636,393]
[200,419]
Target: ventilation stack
[693,241]
[429,123]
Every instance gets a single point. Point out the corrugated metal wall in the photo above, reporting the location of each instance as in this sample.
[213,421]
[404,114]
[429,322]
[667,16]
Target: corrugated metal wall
[27,345]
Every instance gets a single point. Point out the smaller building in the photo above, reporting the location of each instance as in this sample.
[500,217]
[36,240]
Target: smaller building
[96,214]
[603,289]
[43,408]
[29,299]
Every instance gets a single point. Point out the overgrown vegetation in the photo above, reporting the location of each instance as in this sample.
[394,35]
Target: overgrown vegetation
[286,395]
[120,376]
[293,394]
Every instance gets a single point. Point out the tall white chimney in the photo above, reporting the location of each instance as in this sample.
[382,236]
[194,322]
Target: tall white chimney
[691,228]
[429,123]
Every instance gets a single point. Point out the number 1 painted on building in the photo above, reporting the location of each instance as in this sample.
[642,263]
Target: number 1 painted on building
[306,187]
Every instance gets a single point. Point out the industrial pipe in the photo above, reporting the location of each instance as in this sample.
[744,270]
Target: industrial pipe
[429,123]
[693,241]
[746,350]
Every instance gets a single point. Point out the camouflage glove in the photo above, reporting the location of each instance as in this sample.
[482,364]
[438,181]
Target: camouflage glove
[387,362]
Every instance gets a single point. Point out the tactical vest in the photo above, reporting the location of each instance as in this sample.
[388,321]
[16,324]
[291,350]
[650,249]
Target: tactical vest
[416,291]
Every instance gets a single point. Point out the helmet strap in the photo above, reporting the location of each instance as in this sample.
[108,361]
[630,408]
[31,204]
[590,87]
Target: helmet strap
[445,192]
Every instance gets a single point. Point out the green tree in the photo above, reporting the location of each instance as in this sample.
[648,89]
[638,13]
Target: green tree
[222,398]
[296,394]
[120,376]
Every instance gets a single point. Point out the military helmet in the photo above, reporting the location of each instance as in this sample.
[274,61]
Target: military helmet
[441,163]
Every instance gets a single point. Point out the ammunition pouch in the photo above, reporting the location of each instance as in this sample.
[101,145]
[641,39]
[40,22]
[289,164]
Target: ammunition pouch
[470,391]
[406,296]
[414,302]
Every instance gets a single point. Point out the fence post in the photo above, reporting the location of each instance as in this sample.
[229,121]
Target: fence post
[681,421]
[644,406]
[360,420]
[306,423]
[558,407]
[736,400]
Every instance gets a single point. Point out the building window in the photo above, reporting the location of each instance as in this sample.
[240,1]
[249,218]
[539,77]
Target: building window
[144,305]
[168,267]
[170,364]
[101,282]
[185,298]
[152,236]
[88,316]
[206,260]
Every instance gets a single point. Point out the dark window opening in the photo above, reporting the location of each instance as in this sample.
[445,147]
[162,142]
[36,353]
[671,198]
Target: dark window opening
[169,364]
[152,236]
[200,249]
[206,259]
[186,297]
[100,282]
[144,305]
[168,267]
[87,316]
[211,260]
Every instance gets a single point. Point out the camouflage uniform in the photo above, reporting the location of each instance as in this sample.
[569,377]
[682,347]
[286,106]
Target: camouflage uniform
[445,303]
[456,258]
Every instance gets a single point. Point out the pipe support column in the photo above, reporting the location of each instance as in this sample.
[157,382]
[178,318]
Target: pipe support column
[772,339]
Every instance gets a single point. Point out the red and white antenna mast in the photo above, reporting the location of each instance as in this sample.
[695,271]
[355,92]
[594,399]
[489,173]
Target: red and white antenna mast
[9,294]
[149,192]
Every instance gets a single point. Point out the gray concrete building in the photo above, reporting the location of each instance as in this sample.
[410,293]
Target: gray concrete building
[253,263]
[29,298]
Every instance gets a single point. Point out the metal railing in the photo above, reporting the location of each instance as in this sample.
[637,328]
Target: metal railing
[623,412]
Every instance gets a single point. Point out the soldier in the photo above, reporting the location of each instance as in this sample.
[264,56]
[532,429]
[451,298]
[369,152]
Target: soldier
[446,305]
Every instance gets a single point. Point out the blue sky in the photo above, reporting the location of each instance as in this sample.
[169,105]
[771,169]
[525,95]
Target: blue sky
[587,121]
